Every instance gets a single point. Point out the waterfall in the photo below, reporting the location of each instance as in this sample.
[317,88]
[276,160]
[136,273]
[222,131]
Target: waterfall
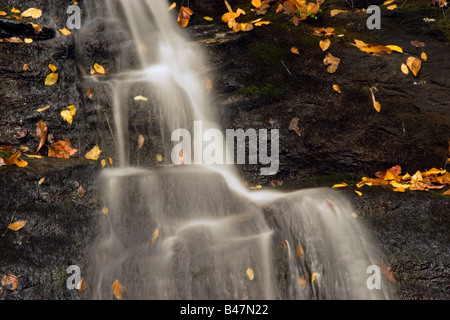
[194,231]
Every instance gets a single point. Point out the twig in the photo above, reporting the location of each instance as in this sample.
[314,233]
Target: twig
[4,234]
[110,130]
[286,68]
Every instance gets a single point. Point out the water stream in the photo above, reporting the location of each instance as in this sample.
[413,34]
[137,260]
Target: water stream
[194,231]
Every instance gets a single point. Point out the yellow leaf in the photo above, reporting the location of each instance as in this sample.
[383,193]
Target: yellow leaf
[261,23]
[159,157]
[103,163]
[28,40]
[228,6]
[3,13]
[423,56]
[324,44]
[105,211]
[395,48]
[387,2]
[32,12]
[34,156]
[340,185]
[414,65]
[51,79]
[140,98]
[65,31]
[256,3]
[10,279]
[172,6]
[359,193]
[99,69]
[41,180]
[14,10]
[208,18]
[43,109]
[69,113]
[154,236]
[315,276]
[336,88]
[377,106]
[17,225]
[392,7]
[250,274]
[336,11]
[52,67]
[400,189]
[20,163]
[94,153]
[404,68]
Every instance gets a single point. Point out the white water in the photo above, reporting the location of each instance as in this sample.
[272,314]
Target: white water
[212,231]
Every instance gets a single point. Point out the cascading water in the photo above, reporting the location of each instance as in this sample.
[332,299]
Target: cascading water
[194,232]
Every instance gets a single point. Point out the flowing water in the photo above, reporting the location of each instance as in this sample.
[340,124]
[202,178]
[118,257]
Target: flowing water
[194,231]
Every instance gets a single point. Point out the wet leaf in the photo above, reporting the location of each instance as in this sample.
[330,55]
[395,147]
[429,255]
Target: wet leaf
[208,18]
[51,79]
[90,93]
[172,6]
[387,2]
[140,98]
[315,276]
[262,23]
[324,44]
[414,65]
[10,279]
[387,271]
[404,68]
[94,153]
[61,149]
[359,193]
[340,185]
[117,289]
[68,114]
[25,67]
[81,285]
[417,43]
[141,141]
[299,250]
[41,132]
[52,67]
[17,225]
[14,10]
[32,12]
[42,109]
[294,50]
[3,13]
[336,88]
[377,106]
[65,31]
[14,40]
[395,48]
[41,180]
[28,40]
[250,274]
[184,16]
[154,236]
[99,68]
[256,3]
[159,158]
[375,49]
[323,32]
[332,62]
[392,7]
[337,11]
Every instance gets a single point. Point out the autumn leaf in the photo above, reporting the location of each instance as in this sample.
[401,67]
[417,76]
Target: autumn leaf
[68,114]
[61,149]
[10,279]
[294,50]
[99,68]
[404,68]
[299,250]
[65,31]
[159,158]
[32,12]
[395,48]
[41,132]
[141,141]
[359,193]
[90,93]
[315,276]
[28,40]
[172,6]
[94,153]
[51,79]
[387,271]
[375,49]
[261,23]
[340,185]
[140,98]
[336,88]
[256,3]
[154,236]
[324,44]
[14,40]
[392,7]
[42,109]
[414,65]
[337,11]
[417,43]
[284,244]
[184,16]
[293,125]
[332,62]
[323,32]
[423,56]
[14,10]
[81,285]
[52,67]
[376,104]
[117,289]
[15,226]
[250,274]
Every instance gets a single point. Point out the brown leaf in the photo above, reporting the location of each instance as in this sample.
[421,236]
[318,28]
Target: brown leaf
[299,250]
[417,43]
[90,93]
[81,191]
[41,132]
[10,279]
[324,44]
[284,245]
[332,62]
[293,125]
[414,65]
[387,271]
[61,149]
[184,16]
[81,286]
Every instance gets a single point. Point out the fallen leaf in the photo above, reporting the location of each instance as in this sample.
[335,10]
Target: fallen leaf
[3,13]
[293,125]
[250,274]
[159,158]
[417,43]
[387,2]
[359,193]
[141,141]
[301,282]
[414,65]
[208,18]
[140,98]
[395,48]
[43,109]
[392,7]
[68,114]
[32,12]
[336,88]
[184,16]
[14,10]
[65,31]
[375,49]
[117,289]
[94,153]
[154,236]
[208,84]
[25,67]
[332,62]
[14,40]
[262,23]
[423,56]
[315,276]
[337,11]
[41,132]
[90,93]
[172,6]
[61,149]
[105,211]
[404,68]
[17,225]
[256,3]
[41,180]
[99,68]
[52,67]
[324,44]
[299,250]
[294,50]
[386,271]
[10,279]
[447,193]
[340,185]
[81,285]
[323,32]
[28,40]
[284,245]
[51,79]
[377,106]
[81,191]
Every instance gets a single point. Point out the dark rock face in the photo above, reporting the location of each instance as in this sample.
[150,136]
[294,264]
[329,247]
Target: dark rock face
[256,78]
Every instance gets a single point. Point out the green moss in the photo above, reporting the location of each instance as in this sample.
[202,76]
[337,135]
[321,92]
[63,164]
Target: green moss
[266,91]
[266,52]
[5,154]
[444,26]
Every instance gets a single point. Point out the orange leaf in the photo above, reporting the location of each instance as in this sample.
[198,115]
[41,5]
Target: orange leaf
[81,286]
[299,250]
[414,65]
[184,16]
[336,88]
[117,289]
[332,62]
[15,226]
[294,50]
[336,11]
[387,271]
[154,236]
[61,149]
[324,44]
